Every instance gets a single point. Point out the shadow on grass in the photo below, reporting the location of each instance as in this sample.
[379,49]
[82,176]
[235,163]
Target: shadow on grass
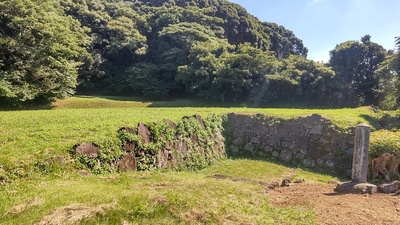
[375,125]
[315,170]
[117,98]
[190,101]
[161,102]
[26,108]
[175,101]
[196,102]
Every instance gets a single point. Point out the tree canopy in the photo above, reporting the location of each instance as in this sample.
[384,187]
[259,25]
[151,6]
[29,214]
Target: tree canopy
[211,49]
[41,49]
[388,90]
[355,64]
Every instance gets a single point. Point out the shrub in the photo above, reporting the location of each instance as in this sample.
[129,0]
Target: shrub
[384,141]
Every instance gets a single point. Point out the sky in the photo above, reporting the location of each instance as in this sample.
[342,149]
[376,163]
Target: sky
[322,24]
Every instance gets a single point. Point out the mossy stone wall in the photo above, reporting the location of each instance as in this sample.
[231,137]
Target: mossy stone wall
[194,143]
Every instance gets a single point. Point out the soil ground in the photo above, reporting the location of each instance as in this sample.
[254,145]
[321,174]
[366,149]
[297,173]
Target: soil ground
[334,208]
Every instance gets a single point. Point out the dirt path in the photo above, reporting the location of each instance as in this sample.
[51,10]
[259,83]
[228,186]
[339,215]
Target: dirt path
[332,208]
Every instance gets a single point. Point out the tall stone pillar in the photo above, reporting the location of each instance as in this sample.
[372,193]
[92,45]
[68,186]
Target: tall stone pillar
[358,183]
[360,155]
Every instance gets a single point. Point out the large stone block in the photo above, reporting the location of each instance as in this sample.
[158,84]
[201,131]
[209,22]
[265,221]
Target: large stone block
[144,133]
[390,187]
[200,120]
[356,188]
[128,163]
[89,150]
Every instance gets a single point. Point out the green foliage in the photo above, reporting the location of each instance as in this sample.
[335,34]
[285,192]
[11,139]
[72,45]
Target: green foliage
[222,74]
[106,161]
[388,89]
[284,42]
[250,75]
[212,49]
[162,134]
[241,27]
[299,80]
[384,141]
[40,52]
[355,64]
[156,48]
[243,73]
[116,32]
[150,79]
[206,59]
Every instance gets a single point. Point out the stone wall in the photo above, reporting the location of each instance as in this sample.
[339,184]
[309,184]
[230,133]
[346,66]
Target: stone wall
[306,141]
[192,143]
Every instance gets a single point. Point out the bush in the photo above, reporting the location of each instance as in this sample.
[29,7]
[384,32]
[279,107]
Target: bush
[384,141]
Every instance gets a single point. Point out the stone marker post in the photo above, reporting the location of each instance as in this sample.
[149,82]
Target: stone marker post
[360,155]
[358,183]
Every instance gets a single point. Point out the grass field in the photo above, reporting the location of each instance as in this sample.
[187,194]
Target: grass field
[161,198]
[28,137]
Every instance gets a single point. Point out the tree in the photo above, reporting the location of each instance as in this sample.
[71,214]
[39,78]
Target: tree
[355,64]
[150,79]
[241,27]
[219,72]
[243,74]
[160,37]
[284,42]
[117,41]
[296,80]
[40,51]
[388,89]
[211,48]
[313,81]
[205,60]
[398,52]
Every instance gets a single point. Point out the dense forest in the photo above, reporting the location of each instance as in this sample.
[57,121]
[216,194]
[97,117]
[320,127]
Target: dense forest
[210,49]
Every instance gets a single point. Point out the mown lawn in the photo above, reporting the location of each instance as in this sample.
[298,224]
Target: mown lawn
[29,137]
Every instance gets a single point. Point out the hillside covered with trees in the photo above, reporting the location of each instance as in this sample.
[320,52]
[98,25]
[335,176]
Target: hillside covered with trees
[210,49]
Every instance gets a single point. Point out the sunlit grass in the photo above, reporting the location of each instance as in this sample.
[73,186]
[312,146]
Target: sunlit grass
[29,135]
[146,197]
[159,198]
[99,102]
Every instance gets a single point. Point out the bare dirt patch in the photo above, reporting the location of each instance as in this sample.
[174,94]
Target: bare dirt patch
[22,207]
[333,208]
[73,213]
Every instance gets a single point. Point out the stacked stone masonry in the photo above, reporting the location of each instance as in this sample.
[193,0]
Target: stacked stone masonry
[310,141]
[193,143]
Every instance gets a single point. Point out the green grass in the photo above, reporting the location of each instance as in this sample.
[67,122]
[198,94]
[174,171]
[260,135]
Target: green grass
[27,137]
[160,198]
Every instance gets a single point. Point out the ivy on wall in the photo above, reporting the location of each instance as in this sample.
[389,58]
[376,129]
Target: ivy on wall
[191,144]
